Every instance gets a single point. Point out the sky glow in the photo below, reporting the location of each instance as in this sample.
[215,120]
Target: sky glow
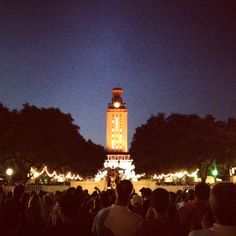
[167,57]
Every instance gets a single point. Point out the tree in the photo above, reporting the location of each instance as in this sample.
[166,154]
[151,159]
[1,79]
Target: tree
[182,141]
[46,136]
[7,136]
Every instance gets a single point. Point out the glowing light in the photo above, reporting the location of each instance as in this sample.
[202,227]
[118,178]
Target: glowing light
[116,104]
[232,171]
[214,172]
[117,123]
[100,175]
[178,175]
[58,176]
[9,171]
[125,167]
[36,174]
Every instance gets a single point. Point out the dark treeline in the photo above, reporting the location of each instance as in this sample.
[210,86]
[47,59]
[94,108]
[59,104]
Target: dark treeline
[37,136]
[46,136]
[167,143]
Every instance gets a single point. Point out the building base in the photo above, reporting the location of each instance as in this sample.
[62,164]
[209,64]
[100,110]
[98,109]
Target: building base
[121,162]
[117,167]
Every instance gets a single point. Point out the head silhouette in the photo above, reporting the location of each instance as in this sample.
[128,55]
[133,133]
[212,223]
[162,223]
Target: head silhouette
[223,203]
[124,190]
[202,191]
[160,200]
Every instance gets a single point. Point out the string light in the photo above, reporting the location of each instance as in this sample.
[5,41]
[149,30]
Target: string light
[178,175]
[61,177]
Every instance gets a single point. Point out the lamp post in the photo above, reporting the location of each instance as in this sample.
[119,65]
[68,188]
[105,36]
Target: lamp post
[9,173]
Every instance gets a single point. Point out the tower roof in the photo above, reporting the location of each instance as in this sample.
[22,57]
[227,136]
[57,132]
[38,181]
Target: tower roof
[117,91]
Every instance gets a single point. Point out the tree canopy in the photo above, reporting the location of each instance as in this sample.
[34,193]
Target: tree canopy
[167,143]
[45,136]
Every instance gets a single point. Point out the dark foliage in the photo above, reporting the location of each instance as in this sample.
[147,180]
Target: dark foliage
[183,141]
[37,136]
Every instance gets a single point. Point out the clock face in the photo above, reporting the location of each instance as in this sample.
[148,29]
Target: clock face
[116,104]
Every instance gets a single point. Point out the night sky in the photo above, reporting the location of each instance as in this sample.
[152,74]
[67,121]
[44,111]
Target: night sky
[168,56]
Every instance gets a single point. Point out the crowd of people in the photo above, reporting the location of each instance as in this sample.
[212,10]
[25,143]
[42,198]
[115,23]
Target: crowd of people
[121,212]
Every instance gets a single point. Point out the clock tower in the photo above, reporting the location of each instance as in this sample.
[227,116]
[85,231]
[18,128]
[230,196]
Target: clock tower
[117,134]
[117,128]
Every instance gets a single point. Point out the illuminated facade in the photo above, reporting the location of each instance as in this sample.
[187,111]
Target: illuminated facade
[117,118]
[117,134]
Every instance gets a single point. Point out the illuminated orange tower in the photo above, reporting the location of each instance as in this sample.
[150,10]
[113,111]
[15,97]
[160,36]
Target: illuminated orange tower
[117,133]
[117,118]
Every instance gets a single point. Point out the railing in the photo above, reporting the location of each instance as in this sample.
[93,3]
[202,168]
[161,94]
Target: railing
[36,188]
